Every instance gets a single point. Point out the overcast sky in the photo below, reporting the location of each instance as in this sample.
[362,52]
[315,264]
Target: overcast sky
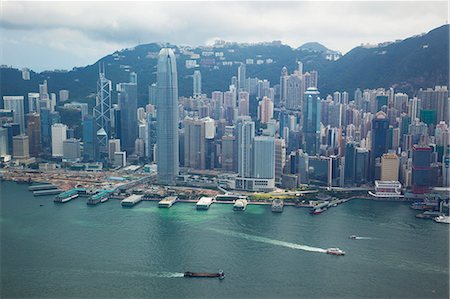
[49,35]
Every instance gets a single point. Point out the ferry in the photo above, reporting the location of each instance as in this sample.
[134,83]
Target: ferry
[317,211]
[66,196]
[335,251]
[101,196]
[240,205]
[353,237]
[429,215]
[220,274]
[442,219]
[277,205]
[204,203]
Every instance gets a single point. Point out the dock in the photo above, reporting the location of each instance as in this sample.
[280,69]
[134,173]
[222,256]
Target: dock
[67,196]
[47,192]
[101,196]
[204,203]
[131,200]
[42,187]
[167,202]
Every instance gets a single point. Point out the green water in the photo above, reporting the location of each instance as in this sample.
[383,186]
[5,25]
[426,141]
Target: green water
[74,250]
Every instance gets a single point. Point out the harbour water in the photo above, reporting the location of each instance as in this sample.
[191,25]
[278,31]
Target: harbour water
[76,250]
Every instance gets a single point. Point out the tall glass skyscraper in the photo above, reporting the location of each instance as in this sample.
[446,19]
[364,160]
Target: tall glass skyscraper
[311,121]
[127,99]
[167,117]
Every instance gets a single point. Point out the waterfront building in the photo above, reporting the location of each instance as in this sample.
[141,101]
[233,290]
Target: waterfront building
[113,147]
[102,111]
[421,169]
[361,166]
[349,163]
[197,84]
[15,103]
[127,99]
[120,159]
[90,147]
[3,143]
[311,121]
[280,159]
[229,153]
[21,147]
[320,170]
[299,165]
[34,134]
[12,129]
[71,150]
[167,118]
[390,165]
[245,136]
[59,134]
[263,157]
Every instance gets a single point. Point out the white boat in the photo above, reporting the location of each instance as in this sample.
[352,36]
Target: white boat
[335,251]
[204,203]
[240,205]
[442,219]
[277,205]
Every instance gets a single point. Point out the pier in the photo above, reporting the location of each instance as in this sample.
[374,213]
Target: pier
[42,187]
[67,196]
[131,200]
[204,203]
[47,192]
[167,202]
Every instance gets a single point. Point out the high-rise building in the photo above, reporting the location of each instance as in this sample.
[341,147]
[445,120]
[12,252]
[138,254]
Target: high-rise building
[349,163]
[13,129]
[15,103]
[263,157]
[59,134]
[21,147]
[71,150]
[280,159]
[265,110]
[113,147]
[167,118]
[48,119]
[243,103]
[361,165]
[390,165]
[294,92]
[102,111]
[241,77]
[63,95]
[33,102]
[245,136]
[283,85]
[34,133]
[90,148]
[197,82]
[194,143]
[421,169]
[380,126]
[127,99]
[437,100]
[152,94]
[311,121]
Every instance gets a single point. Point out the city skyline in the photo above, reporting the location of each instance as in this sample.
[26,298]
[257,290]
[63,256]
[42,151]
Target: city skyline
[106,27]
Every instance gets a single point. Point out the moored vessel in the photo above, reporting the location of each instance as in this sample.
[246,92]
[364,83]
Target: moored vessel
[442,219]
[240,205]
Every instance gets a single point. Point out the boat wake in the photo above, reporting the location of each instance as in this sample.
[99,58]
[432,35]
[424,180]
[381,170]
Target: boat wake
[364,238]
[269,241]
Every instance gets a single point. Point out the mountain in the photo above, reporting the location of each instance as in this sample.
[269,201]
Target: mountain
[314,47]
[407,65]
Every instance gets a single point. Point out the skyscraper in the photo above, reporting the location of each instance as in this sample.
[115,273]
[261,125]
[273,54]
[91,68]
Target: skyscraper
[294,92]
[15,103]
[197,88]
[311,121]
[245,136]
[59,134]
[167,118]
[263,157]
[380,126]
[34,133]
[127,99]
[265,110]
[102,111]
[241,77]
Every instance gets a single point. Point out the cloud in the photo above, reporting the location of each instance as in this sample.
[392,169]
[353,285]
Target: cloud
[82,32]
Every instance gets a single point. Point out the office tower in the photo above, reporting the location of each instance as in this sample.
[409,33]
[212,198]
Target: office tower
[314,79]
[245,136]
[294,92]
[63,95]
[120,159]
[421,169]
[48,119]
[59,134]
[228,155]
[71,150]
[320,170]
[283,85]
[241,77]
[21,147]
[15,103]
[52,101]
[113,146]
[83,107]
[152,94]
[13,129]
[167,118]
[435,99]
[102,111]
[349,163]
[381,101]
[243,103]
[280,159]
[150,136]
[194,143]
[197,88]
[90,147]
[265,110]
[380,126]
[34,133]
[390,164]
[414,108]
[127,99]
[43,90]
[299,165]
[33,102]
[361,165]
[3,143]
[263,157]
[311,121]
